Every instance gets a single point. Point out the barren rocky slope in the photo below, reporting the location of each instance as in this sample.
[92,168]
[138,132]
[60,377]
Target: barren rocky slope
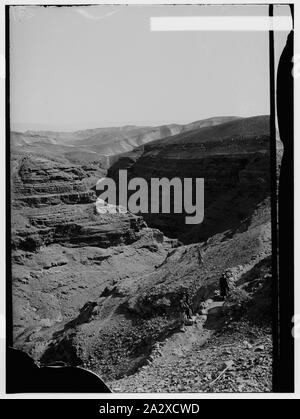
[101,290]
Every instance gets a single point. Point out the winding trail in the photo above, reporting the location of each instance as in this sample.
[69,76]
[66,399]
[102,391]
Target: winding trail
[198,359]
[174,357]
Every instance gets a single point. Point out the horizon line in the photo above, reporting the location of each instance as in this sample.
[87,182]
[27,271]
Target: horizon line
[57,128]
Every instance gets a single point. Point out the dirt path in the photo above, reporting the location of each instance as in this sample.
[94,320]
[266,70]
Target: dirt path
[208,356]
[176,357]
[202,329]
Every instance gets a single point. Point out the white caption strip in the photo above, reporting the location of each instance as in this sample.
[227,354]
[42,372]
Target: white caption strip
[221,23]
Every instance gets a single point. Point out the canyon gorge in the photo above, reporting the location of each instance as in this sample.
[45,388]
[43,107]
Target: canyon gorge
[103,290]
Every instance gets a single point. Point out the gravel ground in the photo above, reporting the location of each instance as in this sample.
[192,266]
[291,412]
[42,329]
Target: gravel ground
[233,357]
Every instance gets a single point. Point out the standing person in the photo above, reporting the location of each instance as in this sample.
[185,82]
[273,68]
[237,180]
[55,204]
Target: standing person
[186,307]
[224,287]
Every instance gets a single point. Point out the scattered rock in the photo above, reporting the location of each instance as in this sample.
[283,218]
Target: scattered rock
[228,364]
[247,344]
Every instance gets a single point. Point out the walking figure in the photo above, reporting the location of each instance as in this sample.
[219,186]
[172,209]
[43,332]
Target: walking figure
[186,307]
[224,286]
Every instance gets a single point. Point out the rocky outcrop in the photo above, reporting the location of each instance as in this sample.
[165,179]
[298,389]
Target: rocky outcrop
[54,203]
[38,181]
[76,224]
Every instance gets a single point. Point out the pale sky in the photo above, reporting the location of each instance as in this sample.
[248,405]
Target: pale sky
[85,67]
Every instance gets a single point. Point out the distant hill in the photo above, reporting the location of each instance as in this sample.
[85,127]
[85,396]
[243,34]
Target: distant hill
[238,127]
[108,141]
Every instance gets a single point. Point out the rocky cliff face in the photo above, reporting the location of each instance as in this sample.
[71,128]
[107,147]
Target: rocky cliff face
[54,202]
[233,158]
